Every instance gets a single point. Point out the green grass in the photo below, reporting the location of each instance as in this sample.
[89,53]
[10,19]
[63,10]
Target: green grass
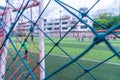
[74,48]
[71,46]
[103,72]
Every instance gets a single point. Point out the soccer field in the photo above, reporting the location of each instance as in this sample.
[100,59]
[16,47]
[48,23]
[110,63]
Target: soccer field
[106,71]
[96,55]
[74,48]
[91,60]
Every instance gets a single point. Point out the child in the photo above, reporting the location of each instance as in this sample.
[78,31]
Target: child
[32,37]
[26,50]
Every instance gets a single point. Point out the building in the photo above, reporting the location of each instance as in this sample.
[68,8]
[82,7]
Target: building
[24,28]
[57,27]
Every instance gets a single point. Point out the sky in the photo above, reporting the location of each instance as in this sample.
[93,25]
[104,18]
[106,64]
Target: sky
[2,2]
[76,3]
[55,8]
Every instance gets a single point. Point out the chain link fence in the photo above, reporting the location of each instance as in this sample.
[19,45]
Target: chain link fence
[69,52]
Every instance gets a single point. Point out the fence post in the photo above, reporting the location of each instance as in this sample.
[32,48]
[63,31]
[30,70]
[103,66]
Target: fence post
[2,54]
[3,51]
[41,43]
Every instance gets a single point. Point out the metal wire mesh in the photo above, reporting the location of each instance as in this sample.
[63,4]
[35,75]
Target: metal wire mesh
[19,65]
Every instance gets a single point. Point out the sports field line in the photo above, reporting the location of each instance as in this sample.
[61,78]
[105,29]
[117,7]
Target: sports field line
[87,59]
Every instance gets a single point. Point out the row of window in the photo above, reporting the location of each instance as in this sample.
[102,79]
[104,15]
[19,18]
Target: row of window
[57,28]
[50,24]
[62,23]
[64,28]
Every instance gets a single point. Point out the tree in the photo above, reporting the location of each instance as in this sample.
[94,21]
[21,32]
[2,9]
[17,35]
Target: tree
[106,20]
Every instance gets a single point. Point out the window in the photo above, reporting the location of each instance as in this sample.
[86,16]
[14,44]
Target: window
[56,23]
[64,22]
[83,9]
[45,20]
[56,28]
[44,29]
[44,24]
[73,22]
[50,23]
[64,28]
[49,28]
[83,27]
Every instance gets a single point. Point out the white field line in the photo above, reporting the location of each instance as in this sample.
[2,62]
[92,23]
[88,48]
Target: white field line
[87,59]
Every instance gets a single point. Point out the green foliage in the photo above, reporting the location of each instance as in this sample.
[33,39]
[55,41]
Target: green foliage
[106,20]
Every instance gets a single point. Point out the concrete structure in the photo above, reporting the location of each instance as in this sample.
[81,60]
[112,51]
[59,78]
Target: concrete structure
[57,27]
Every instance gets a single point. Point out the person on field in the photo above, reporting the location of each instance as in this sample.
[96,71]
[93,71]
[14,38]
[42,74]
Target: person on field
[32,37]
[114,37]
[26,50]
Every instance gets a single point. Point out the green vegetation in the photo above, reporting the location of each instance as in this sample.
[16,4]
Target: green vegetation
[106,20]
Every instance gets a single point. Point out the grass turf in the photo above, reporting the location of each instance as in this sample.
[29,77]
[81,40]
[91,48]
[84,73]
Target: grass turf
[103,72]
[74,48]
